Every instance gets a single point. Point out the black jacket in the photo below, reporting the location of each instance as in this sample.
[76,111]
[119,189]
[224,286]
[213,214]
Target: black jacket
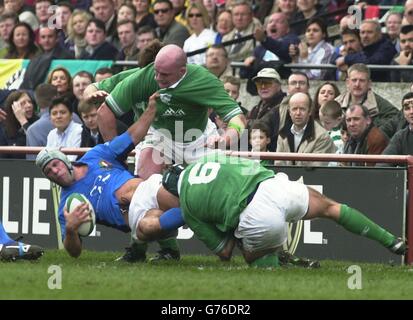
[37,70]
[106,51]
[88,142]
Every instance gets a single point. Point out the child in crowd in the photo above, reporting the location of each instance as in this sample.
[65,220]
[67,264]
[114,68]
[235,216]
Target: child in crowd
[259,139]
[232,86]
[331,117]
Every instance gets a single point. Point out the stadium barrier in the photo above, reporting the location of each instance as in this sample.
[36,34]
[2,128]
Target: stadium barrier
[332,66]
[239,64]
[24,212]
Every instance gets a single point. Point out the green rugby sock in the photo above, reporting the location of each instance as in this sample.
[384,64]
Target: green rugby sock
[267,261]
[356,222]
[139,246]
[170,243]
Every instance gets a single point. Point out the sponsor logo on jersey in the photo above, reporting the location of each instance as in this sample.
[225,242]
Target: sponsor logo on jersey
[105,165]
[165,97]
[173,113]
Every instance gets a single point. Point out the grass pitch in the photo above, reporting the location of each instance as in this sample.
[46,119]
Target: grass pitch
[95,275]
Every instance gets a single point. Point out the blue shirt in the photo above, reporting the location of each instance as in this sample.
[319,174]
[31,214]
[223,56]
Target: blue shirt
[107,172]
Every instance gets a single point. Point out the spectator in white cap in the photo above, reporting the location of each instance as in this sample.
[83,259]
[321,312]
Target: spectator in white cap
[268,83]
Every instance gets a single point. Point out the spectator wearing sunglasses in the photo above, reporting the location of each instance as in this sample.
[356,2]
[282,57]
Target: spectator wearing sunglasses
[169,31]
[202,36]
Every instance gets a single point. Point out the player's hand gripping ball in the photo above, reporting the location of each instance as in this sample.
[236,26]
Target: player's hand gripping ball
[72,202]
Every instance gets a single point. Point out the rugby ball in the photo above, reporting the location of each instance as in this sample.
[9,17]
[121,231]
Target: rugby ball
[72,202]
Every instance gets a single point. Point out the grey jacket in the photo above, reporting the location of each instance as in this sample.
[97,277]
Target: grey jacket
[175,34]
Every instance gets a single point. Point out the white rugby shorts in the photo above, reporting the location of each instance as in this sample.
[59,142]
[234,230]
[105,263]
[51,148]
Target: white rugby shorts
[263,223]
[143,200]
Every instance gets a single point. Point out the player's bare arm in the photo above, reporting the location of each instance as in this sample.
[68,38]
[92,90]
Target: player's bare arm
[232,134]
[89,91]
[139,129]
[106,122]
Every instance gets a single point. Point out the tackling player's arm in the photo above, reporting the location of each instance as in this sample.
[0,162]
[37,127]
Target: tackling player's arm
[140,128]
[234,130]
[72,242]
[89,91]
[106,122]
[106,118]
[97,92]
[228,110]
[231,135]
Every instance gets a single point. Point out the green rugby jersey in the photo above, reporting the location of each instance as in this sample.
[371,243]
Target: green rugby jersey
[214,193]
[109,84]
[179,109]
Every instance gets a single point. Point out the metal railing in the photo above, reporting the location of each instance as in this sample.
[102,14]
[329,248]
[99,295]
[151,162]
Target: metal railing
[239,64]
[332,66]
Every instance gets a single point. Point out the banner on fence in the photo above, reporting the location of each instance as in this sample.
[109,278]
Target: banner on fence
[28,204]
[13,70]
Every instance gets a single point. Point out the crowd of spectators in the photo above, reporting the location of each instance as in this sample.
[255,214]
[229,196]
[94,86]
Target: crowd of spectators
[280,32]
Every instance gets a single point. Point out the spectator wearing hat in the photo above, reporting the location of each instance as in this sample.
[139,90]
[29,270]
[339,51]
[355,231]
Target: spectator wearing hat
[268,83]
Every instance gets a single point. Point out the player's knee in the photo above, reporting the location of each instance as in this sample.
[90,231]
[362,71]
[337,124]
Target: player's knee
[150,225]
[321,206]
[266,240]
[148,228]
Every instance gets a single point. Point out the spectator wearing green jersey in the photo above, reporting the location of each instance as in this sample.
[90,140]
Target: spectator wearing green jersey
[331,118]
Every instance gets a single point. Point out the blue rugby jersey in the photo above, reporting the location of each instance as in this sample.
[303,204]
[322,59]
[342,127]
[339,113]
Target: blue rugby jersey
[107,172]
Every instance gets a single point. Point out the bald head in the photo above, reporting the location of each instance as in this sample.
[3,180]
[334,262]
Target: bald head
[408,11]
[170,65]
[172,54]
[299,109]
[301,98]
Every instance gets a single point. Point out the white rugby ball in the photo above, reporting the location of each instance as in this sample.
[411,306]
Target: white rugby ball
[72,202]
